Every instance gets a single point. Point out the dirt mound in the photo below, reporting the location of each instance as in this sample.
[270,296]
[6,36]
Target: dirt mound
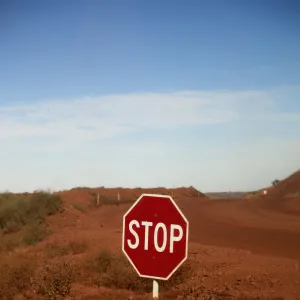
[289,187]
[238,249]
[87,196]
[286,188]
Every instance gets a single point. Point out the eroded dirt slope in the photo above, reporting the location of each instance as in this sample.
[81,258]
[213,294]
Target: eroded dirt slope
[238,248]
[241,248]
[262,225]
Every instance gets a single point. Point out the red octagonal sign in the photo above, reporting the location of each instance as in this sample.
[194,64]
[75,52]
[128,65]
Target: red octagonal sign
[155,236]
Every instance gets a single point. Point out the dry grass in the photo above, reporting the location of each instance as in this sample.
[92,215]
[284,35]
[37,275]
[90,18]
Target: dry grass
[114,271]
[35,233]
[25,214]
[51,277]
[8,243]
[15,276]
[19,210]
[79,207]
[53,281]
[23,277]
[73,247]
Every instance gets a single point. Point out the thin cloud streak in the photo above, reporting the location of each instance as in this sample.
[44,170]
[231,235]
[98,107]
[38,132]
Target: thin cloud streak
[216,140]
[114,115]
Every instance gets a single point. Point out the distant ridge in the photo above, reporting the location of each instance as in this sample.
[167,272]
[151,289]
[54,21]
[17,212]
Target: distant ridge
[288,187]
[226,195]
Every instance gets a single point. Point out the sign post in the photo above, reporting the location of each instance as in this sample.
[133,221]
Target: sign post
[155,237]
[155,290]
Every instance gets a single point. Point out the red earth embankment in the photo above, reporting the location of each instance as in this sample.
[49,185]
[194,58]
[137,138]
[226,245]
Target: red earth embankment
[289,187]
[238,248]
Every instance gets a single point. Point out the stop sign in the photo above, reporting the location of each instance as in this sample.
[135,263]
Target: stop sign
[155,236]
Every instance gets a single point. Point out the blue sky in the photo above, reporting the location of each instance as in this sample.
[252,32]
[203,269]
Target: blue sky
[149,93]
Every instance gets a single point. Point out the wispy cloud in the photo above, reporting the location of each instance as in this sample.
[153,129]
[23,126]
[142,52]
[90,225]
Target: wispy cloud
[223,134]
[110,116]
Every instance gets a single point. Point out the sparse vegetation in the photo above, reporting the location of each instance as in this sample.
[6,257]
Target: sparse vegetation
[78,207]
[54,281]
[73,247]
[35,233]
[24,277]
[26,212]
[114,271]
[52,272]
[18,210]
[293,195]
[54,250]
[8,244]
[15,276]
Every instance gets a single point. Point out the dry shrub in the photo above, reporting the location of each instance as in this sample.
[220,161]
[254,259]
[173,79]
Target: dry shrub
[114,271]
[11,226]
[35,233]
[103,261]
[97,265]
[73,247]
[15,277]
[54,250]
[19,210]
[181,275]
[7,243]
[120,275]
[194,292]
[118,295]
[78,246]
[54,281]
[79,207]
[21,276]
[27,214]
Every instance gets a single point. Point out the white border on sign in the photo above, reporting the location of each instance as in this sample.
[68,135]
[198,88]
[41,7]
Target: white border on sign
[187,235]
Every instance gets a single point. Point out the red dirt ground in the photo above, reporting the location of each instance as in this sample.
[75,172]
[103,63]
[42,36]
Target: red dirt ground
[240,248]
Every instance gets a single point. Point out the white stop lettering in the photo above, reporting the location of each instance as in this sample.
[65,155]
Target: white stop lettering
[175,235]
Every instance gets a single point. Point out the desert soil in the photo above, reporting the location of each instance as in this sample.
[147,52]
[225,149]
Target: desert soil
[239,248]
[247,248]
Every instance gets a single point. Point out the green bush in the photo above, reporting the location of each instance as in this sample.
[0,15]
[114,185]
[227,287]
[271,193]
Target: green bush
[19,210]
[34,234]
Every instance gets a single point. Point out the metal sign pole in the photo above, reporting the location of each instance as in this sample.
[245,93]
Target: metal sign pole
[155,290]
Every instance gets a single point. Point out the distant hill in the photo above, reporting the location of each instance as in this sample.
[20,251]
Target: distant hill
[226,195]
[119,195]
[288,187]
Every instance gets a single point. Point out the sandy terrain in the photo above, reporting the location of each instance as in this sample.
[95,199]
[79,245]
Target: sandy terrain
[246,248]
